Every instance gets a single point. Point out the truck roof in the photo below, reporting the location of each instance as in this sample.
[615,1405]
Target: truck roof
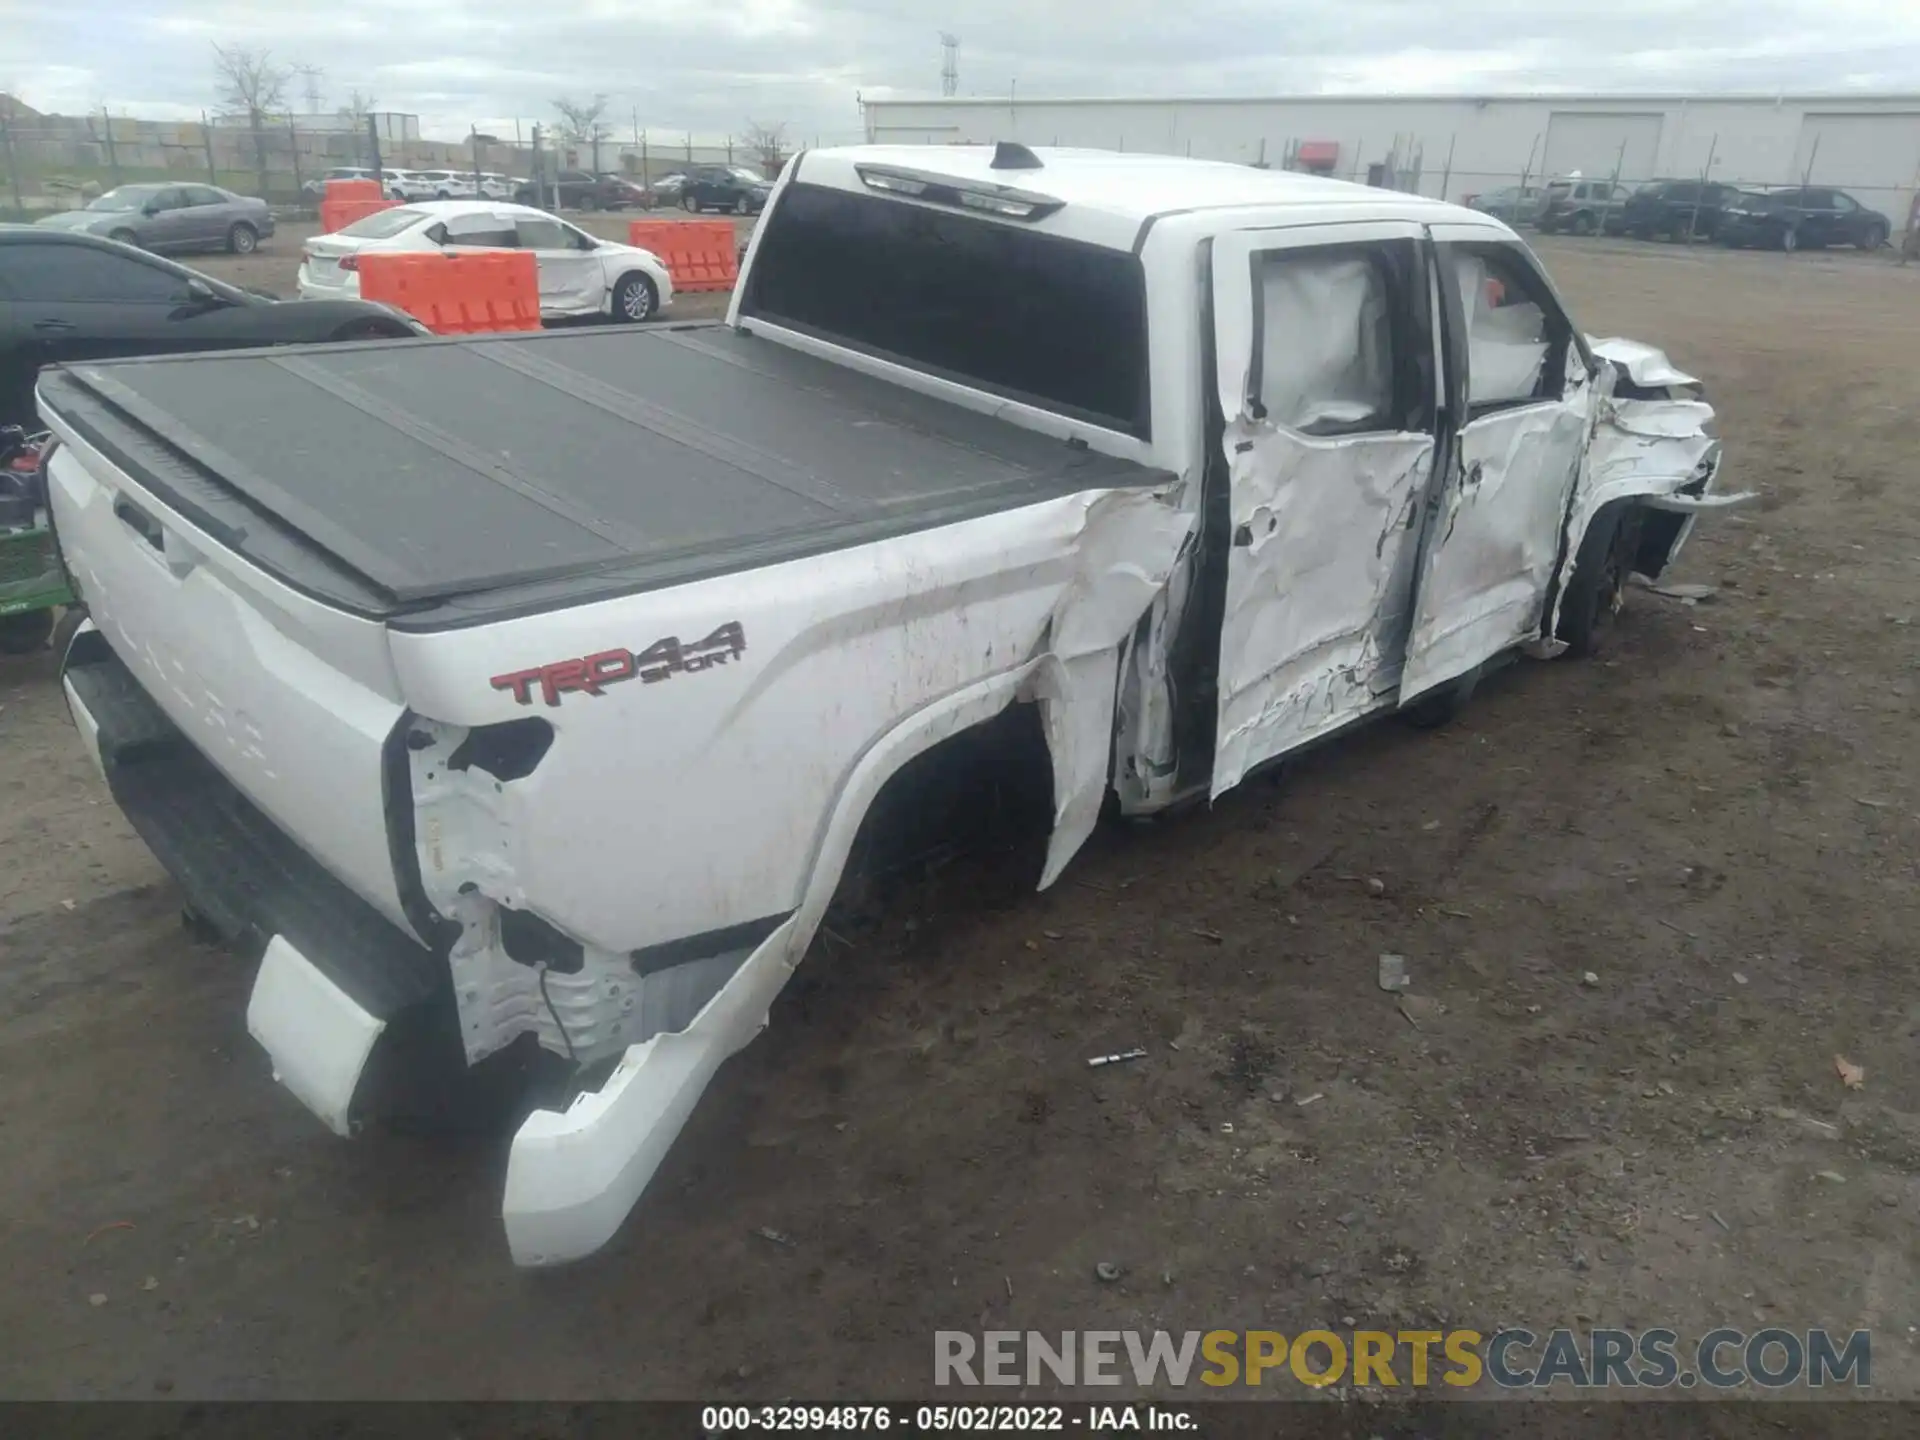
[1128,189]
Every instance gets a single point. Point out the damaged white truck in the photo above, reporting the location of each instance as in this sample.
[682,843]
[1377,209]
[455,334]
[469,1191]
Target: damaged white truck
[543,682]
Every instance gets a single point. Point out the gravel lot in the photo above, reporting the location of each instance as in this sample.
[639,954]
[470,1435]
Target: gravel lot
[1718,819]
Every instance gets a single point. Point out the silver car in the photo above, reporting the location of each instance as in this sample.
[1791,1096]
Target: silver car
[172,217]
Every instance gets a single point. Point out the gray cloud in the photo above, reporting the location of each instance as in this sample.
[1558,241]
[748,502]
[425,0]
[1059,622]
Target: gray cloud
[675,67]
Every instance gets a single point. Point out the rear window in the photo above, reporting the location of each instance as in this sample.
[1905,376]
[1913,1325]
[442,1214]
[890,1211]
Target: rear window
[383,223]
[1054,323]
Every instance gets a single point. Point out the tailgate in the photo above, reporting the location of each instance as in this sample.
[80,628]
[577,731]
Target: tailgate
[291,699]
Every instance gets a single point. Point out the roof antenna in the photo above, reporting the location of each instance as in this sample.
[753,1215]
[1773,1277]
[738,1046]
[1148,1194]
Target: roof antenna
[1007,155]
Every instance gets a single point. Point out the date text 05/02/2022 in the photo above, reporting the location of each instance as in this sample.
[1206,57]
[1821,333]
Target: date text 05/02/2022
[942,1419]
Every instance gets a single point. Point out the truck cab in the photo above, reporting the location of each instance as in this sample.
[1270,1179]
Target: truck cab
[1172,467]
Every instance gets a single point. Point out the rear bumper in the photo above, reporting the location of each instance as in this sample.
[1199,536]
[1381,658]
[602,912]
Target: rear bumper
[334,970]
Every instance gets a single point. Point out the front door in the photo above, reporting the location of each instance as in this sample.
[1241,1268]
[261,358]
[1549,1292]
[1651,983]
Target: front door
[572,279]
[1524,385]
[1327,384]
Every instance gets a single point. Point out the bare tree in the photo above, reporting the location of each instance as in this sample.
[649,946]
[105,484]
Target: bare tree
[584,123]
[250,82]
[768,143]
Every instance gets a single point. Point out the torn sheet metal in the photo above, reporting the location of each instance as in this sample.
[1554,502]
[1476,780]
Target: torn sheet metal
[1493,541]
[1127,549]
[1645,365]
[1318,579]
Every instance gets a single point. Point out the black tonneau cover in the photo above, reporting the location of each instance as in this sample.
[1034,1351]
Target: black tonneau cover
[447,482]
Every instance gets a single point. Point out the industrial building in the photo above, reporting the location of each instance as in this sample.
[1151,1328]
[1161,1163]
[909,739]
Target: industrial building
[1456,146]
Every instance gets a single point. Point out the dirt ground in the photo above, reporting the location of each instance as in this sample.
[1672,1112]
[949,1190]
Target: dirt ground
[1718,820]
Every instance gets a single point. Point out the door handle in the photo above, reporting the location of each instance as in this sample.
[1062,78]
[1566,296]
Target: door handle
[53,327]
[141,523]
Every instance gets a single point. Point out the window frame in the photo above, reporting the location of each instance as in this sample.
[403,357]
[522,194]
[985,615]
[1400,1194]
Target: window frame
[1562,334]
[1411,409]
[1138,425]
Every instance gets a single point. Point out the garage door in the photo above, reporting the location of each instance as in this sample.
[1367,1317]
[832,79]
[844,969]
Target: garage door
[1871,157]
[1595,141]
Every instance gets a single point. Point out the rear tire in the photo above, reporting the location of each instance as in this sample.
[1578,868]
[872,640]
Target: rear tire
[25,633]
[1599,582]
[634,299]
[1583,223]
[689,204]
[1875,237]
[369,330]
[243,239]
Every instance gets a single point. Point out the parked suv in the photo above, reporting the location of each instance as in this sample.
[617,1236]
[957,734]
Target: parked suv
[1581,206]
[1674,208]
[1787,217]
[580,190]
[725,187]
[1515,204]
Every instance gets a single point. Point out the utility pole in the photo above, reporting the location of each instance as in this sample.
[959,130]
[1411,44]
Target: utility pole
[310,85]
[113,156]
[949,63]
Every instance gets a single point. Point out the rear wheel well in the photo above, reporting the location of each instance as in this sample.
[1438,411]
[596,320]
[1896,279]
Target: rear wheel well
[985,793]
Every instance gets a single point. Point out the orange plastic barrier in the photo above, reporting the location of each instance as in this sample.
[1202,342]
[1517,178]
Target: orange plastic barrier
[698,254]
[456,294]
[338,214]
[353,190]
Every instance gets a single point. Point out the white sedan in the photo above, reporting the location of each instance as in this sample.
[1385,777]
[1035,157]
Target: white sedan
[580,274]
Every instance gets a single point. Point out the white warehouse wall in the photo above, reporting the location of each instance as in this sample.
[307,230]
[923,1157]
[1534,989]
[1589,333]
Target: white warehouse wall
[1868,145]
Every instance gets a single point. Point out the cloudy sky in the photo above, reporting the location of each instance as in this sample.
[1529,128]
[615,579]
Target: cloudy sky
[681,65]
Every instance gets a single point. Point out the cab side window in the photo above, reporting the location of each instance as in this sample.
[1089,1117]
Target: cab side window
[1516,335]
[1336,348]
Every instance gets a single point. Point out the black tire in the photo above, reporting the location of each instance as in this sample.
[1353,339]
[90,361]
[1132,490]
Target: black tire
[1583,223]
[1599,582]
[369,330]
[1441,706]
[242,239]
[689,204]
[126,237]
[740,205]
[634,299]
[1874,238]
[1789,240]
[68,626]
[25,633]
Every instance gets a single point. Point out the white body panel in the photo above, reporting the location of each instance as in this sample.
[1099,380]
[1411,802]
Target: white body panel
[718,810]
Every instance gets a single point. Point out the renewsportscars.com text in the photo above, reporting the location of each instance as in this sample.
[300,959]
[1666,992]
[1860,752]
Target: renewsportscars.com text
[1510,1359]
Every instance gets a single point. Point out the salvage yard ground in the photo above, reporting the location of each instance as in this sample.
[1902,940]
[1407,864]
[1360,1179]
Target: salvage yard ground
[1718,820]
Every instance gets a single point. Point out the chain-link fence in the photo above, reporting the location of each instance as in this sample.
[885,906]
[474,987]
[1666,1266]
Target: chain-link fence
[55,162]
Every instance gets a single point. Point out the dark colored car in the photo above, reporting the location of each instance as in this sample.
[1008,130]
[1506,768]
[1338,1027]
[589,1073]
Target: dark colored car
[580,190]
[66,297]
[1674,208]
[1581,206]
[1790,217]
[724,187]
[1515,204]
[171,217]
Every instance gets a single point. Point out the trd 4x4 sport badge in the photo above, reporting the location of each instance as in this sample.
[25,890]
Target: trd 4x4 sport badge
[589,674]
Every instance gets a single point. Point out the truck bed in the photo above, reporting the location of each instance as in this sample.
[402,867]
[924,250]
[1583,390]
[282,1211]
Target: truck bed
[437,483]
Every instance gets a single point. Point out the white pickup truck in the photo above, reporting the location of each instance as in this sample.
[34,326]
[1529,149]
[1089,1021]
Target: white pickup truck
[544,682]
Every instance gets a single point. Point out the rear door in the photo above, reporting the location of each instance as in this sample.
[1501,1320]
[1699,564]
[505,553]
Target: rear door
[572,279]
[1817,216]
[207,215]
[1326,376]
[1519,377]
